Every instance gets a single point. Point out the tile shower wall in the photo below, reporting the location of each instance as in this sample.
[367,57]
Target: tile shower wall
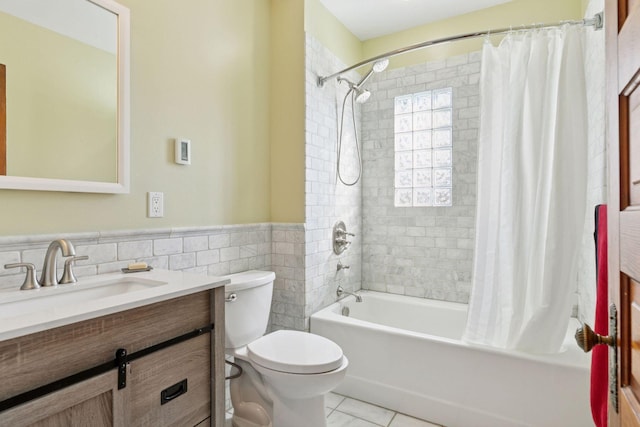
[597,169]
[420,251]
[287,308]
[214,251]
[328,200]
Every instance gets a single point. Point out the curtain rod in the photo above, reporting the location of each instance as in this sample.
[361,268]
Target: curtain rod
[596,22]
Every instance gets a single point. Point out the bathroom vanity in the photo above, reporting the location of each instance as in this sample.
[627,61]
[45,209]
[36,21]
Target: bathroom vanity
[114,350]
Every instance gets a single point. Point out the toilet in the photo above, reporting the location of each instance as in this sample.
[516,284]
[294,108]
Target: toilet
[285,374]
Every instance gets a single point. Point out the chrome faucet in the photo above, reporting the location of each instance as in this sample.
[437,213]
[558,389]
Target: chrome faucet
[341,266]
[49,268]
[341,291]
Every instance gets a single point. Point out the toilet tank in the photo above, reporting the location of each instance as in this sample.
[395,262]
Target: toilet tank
[246,317]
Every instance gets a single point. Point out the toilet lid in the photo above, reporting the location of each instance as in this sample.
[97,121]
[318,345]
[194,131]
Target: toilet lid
[295,352]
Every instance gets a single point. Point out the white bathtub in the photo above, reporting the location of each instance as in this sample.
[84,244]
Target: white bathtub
[405,354]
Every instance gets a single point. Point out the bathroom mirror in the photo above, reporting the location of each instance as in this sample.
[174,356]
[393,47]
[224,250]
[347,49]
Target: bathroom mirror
[65,93]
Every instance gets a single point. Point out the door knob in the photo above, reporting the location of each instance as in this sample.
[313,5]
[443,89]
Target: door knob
[587,339]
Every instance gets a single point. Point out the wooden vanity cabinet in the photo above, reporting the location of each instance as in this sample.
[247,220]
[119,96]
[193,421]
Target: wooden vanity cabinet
[191,373]
[179,368]
[94,402]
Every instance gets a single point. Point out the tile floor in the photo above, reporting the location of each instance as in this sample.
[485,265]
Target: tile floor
[346,412]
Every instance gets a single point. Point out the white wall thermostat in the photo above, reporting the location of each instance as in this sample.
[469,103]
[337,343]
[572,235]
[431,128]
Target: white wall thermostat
[183,151]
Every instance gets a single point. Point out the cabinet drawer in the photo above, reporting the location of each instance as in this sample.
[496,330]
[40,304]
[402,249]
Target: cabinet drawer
[186,404]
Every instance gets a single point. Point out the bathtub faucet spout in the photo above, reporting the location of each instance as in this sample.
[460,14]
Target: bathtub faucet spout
[340,291]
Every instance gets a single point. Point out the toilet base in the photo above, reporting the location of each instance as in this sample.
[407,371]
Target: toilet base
[299,412]
[250,414]
[293,413]
[257,404]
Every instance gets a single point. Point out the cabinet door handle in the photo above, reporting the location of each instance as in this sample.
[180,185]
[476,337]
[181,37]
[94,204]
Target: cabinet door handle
[170,393]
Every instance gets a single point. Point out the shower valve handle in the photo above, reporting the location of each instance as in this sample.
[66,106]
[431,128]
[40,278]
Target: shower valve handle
[341,266]
[339,237]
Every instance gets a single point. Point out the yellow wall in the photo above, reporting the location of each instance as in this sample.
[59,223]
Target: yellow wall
[514,13]
[65,125]
[199,70]
[287,109]
[229,75]
[289,21]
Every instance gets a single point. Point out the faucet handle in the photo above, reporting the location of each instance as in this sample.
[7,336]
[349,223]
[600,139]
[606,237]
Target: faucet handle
[67,274]
[30,281]
[345,232]
[341,266]
[342,241]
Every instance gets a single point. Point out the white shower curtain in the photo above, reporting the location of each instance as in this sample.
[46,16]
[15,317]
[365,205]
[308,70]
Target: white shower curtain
[531,190]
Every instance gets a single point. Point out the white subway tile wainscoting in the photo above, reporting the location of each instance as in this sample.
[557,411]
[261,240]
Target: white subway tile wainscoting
[216,251]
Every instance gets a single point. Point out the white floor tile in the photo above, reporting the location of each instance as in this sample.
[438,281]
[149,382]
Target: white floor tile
[366,411]
[401,420]
[342,411]
[332,400]
[340,419]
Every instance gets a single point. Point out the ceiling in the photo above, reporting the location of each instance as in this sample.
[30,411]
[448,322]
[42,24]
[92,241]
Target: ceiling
[367,19]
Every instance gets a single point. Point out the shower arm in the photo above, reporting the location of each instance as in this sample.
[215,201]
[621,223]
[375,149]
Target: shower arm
[353,85]
[596,22]
[365,78]
[349,83]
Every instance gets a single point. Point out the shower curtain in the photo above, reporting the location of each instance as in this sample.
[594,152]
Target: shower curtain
[531,190]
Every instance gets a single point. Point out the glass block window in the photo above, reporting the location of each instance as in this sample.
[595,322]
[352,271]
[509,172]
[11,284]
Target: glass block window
[423,148]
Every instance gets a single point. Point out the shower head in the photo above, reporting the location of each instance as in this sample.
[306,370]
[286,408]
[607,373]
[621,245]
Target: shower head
[361,95]
[381,65]
[378,67]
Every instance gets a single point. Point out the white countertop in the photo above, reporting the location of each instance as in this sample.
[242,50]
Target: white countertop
[27,312]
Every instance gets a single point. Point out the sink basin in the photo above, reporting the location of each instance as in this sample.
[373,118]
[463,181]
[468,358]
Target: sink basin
[52,298]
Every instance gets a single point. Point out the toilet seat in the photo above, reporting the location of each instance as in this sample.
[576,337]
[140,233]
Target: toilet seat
[295,352]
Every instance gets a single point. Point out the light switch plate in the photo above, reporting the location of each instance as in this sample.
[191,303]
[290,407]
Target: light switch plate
[183,151]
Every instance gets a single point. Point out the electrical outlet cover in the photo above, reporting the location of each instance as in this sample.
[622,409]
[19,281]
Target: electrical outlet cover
[155,204]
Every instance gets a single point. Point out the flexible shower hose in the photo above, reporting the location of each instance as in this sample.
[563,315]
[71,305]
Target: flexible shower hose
[355,132]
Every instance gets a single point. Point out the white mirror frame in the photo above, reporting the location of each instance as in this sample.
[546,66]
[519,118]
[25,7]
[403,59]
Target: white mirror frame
[121,186]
